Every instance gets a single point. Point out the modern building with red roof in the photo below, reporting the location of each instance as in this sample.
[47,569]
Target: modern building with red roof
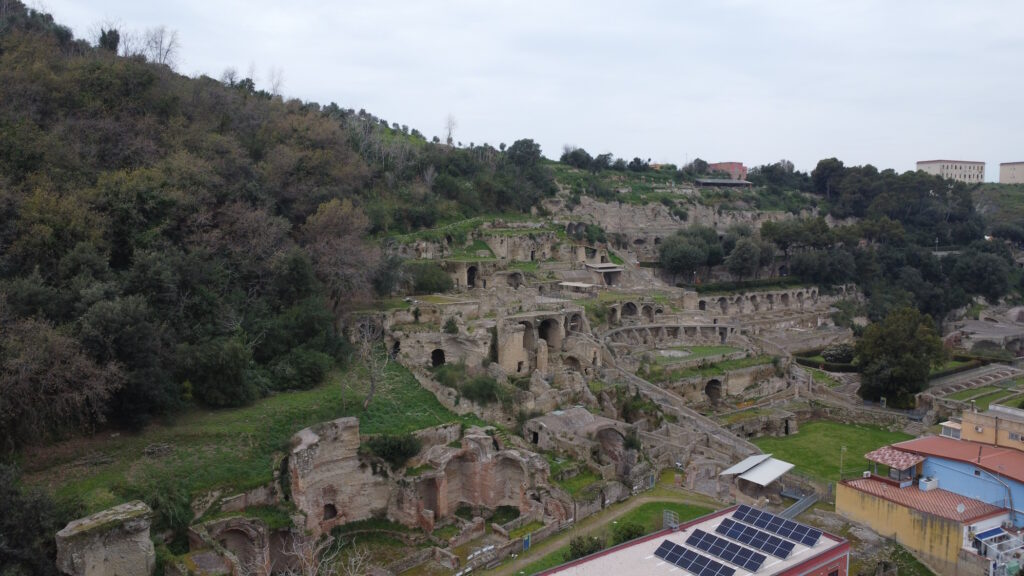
[725,543]
[951,500]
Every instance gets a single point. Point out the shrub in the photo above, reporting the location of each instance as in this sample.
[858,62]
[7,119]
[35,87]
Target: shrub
[484,390]
[626,531]
[301,369]
[27,526]
[840,353]
[450,326]
[581,546]
[218,372]
[394,449]
[428,278]
[450,375]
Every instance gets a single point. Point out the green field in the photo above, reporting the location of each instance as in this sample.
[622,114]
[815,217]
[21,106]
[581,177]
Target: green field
[649,515]
[982,402]
[230,449]
[972,392]
[815,449]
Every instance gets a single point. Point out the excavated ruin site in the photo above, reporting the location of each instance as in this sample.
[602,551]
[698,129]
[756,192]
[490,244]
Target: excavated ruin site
[608,373]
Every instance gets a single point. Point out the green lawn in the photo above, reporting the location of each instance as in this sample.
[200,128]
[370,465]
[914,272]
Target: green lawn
[972,392]
[949,365]
[230,449]
[649,514]
[983,402]
[822,377]
[579,482]
[815,449]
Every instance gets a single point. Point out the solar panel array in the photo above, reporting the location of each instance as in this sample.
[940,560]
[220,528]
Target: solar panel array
[755,538]
[728,551]
[785,528]
[691,561]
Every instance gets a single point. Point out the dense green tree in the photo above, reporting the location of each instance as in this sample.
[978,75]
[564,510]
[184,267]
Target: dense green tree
[744,260]
[681,254]
[524,153]
[826,175]
[896,355]
[27,527]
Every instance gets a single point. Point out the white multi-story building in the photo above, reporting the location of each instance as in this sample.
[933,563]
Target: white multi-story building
[960,170]
[1011,173]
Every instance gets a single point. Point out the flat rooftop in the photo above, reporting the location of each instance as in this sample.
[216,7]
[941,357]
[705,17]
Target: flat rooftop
[949,161]
[937,502]
[636,558]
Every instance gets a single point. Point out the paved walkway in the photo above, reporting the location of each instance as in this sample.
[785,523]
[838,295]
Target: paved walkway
[594,523]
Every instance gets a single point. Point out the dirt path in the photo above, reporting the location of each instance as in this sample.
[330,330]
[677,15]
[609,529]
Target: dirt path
[593,524]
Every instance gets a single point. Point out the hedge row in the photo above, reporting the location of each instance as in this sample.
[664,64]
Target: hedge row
[827,366]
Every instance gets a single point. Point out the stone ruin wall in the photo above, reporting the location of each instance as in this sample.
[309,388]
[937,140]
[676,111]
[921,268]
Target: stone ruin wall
[331,484]
[113,542]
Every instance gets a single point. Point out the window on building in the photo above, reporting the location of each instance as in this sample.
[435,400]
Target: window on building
[834,572]
[1014,436]
[977,472]
[979,429]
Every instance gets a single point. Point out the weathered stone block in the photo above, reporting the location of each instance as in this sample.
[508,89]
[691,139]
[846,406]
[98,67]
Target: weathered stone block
[114,542]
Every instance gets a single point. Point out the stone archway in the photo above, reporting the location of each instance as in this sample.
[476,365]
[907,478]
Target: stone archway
[529,336]
[648,313]
[515,279]
[437,357]
[702,305]
[396,348]
[629,309]
[754,303]
[713,390]
[784,300]
[575,323]
[550,330]
[723,304]
[573,363]
[471,274]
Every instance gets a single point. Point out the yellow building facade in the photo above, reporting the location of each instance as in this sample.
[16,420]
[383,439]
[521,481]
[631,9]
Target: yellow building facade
[998,426]
[936,540]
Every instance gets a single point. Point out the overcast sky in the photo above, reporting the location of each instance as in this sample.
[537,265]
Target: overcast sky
[880,82]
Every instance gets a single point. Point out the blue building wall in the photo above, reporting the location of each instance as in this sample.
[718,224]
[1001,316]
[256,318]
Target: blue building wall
[960,477]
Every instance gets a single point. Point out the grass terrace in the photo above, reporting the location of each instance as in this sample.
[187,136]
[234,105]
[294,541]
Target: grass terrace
[230,449]
[815,449]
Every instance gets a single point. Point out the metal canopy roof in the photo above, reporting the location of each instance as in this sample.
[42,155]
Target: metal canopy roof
[767,472]
[745,464]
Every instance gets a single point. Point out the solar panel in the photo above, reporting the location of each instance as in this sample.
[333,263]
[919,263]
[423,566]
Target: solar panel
[777,525]
[728,551]
[755,538]
[691,561]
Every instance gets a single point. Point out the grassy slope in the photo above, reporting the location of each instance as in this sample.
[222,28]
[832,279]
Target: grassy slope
[648,514]
[815,449]
[1000,203]
[229,449]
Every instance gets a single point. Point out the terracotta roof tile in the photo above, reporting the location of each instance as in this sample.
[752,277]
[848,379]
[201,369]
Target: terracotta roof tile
[893,458]
[937,502]
[998,460]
